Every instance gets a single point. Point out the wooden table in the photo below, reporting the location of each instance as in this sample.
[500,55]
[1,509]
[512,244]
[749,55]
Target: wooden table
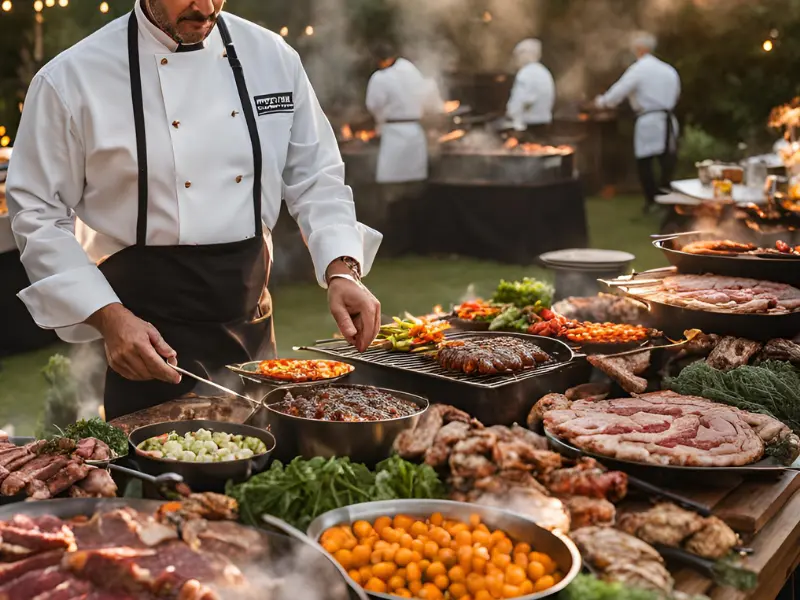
[767,514]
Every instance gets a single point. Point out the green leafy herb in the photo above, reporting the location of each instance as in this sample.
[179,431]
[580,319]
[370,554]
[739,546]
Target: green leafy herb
[505,319]
[589,587]
[97,428]
[727,572]
[304,489]
[524,293]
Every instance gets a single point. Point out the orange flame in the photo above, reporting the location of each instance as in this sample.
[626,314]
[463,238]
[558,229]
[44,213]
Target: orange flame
[366,135]
[537,149]
[347,132]
[451,106]
[452,136]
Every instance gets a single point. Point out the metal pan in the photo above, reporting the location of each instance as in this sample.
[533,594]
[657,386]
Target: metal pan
[367,442]
[765,267]
[674,320]
[763,466]
[520,528]
[202,477]
[249,370]
[289,554]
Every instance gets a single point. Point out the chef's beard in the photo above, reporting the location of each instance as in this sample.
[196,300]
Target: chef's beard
[158,13]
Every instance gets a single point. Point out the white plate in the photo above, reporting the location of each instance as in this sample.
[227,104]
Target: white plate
[587,258]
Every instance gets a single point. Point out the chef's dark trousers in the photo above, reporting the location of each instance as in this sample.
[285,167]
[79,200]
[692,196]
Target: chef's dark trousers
[647,176]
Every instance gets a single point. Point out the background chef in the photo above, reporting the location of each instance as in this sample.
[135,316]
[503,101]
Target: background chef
[653,88]
[398,96]
[176,155]
[530,105]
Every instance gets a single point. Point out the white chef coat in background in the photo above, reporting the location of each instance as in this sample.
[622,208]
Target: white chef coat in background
[532,97]
[75,154]
[649,84]
[401,93]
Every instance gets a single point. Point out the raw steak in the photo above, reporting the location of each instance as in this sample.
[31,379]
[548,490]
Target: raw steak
[661,428]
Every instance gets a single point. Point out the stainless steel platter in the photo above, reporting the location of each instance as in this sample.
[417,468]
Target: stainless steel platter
[518,527]
[763,466]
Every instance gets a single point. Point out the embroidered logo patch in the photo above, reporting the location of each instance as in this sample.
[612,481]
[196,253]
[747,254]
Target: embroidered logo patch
[274,103]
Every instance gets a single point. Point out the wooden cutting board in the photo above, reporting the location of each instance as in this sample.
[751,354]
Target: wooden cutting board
[746,505]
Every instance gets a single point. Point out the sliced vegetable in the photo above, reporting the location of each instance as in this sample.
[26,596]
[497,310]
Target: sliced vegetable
[202,446]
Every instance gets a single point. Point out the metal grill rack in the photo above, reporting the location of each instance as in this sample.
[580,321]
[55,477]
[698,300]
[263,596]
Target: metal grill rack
[426,365]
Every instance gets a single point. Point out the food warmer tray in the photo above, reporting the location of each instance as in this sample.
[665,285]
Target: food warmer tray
[779,269]
[519,527]
[501,399]
[281,544]
[764,466]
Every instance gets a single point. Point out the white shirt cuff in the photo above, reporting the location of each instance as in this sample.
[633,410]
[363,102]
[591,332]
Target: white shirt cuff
[64,301]
[329,243]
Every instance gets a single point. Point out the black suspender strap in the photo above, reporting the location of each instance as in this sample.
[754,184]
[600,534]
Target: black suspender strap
[138,122]
[141,139]
[250,117]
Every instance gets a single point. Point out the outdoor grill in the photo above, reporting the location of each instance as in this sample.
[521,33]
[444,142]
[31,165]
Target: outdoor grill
[494,400]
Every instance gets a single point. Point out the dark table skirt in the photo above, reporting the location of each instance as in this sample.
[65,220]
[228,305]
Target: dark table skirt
[18,332]
[510,224]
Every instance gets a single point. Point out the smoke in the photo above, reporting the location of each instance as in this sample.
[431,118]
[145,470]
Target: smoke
[88,366]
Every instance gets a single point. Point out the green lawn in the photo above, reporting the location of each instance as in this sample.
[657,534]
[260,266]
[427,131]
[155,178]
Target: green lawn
[414,284]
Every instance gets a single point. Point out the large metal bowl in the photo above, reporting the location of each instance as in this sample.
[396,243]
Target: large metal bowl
[202,477]
[368,442]
[519,528]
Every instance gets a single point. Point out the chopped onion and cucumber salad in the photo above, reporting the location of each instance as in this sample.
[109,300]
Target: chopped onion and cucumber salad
[202,446]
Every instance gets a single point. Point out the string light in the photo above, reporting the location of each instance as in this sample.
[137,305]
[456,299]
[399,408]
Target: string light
[767,46]
[63,3]
[2,130]
[5,141]
[6,5]
[49,3]
[38,5]
[309,30]
[104,7]
[284,31]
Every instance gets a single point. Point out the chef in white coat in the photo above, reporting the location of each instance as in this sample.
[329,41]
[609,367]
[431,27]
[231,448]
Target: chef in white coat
[173,133]
[653,88]
[530,106]
[398,96]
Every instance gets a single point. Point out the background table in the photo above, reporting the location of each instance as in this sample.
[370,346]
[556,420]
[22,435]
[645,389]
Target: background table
[697,192]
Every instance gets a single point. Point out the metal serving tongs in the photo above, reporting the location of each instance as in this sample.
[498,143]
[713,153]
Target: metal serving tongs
[256,404]
[689,335]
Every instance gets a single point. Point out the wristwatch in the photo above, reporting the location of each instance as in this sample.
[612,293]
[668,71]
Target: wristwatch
[352,265]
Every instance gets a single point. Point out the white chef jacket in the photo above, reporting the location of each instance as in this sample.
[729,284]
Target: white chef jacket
[401,93]
[649,84]
[532,96]
[75,155]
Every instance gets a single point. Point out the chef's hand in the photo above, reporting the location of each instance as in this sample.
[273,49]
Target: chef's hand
[356,310]
[134,348]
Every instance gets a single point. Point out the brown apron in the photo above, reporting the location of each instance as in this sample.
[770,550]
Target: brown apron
[203,299]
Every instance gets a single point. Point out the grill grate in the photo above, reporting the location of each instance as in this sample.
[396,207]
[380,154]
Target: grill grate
[426,365]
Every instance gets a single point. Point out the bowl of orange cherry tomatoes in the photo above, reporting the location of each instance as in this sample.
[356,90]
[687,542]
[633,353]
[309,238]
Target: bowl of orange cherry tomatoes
[439,550]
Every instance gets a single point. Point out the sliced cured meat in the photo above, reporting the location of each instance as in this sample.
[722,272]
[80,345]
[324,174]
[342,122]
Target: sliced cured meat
[663,428]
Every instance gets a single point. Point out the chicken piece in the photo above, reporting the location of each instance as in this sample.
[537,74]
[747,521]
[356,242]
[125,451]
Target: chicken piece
[447,437]
[622,557]
[714,540]
[584,511]
[588,478]
[665,523]
[413,443]
[533,439]
[519,455]
[732,352]
[546,403]
[472,466]
[588,391]
[624,370]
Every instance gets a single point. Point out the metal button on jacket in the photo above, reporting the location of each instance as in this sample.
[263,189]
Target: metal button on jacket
[188,184]
[176,124]
[164,61]
[238,179]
